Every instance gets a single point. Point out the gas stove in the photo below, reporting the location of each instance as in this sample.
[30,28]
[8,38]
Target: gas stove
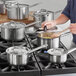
[24,42]
[48,68]
[39,62]
[30,69]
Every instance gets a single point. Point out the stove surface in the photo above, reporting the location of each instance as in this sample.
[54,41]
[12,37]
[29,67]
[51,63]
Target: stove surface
[30,69]
[49,68]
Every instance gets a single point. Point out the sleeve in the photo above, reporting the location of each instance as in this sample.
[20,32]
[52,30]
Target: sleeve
[66,10]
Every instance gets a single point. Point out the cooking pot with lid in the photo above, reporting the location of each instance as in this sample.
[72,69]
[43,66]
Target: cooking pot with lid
[44,15]
[19,11]
[59,55]
[19,55]
[44,37]
[14,31]
[4,3]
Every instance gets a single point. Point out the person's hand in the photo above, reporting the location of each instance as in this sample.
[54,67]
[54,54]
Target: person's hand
[73,28]
[49,24]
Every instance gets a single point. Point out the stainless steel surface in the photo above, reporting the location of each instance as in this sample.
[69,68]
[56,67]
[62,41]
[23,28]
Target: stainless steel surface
[30,28]
[71,50]
[10,2]
[52,43]
[15,31]
[43,46]
[9,31]
[43,15]
[20,56]
[2,7]
[21,11]
[58,55]
[32,24]
[3,4]
[13,35]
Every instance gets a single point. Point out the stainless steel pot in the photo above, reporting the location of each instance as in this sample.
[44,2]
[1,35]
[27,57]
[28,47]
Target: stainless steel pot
[19,55]
[52,43]
[3,4]
[43,37]
[58,55]
[51,37]
[21,11]
[30,30]
[44,15]
[14,31]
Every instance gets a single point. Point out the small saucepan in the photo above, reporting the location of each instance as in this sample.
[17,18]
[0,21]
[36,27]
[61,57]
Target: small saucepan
[58,55]
[18,55]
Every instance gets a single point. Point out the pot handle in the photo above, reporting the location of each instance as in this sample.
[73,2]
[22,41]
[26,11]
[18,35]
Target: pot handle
[3,53]
[58,11]
[35,4]
[71,50]
[32,24]
[43,46]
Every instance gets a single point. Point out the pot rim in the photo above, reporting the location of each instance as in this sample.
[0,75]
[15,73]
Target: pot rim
[7,24]
[18,5]
[10,50]
[60,52]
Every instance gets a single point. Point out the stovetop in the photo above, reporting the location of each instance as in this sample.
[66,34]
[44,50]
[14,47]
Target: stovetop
[49,68]
[38,65]
[30,69]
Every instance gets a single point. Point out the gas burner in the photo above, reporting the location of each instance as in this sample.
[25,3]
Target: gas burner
[8,67]
[50,68]
[31,66]
[6,44]
[9,44]
[54,65]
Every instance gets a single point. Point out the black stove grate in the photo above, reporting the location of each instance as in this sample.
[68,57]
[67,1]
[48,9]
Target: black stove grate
[49,68]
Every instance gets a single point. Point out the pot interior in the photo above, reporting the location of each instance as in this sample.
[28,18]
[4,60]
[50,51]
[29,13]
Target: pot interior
[56,51]
[17,50]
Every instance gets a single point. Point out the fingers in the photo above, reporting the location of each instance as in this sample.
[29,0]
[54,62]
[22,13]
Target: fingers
[49,24]
[73,28]
[45,23]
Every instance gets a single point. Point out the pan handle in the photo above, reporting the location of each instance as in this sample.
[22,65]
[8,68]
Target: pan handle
[35,4]
[43,46]
[69,51]
[32,24]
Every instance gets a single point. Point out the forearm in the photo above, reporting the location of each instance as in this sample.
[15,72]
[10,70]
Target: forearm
[61,19]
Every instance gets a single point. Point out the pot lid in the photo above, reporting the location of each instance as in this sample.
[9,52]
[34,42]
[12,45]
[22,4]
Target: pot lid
[56,51]
[13,24]
[17,5]
[42,12]
[10,3]
[18,50]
